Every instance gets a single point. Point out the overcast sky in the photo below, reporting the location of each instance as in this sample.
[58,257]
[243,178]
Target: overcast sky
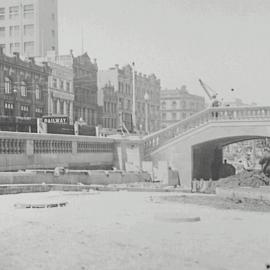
[226,43]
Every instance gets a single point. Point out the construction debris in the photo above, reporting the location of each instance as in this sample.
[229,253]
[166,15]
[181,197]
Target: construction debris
[254,179]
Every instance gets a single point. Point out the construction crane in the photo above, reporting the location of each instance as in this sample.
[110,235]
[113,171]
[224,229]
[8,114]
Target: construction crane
[212,94]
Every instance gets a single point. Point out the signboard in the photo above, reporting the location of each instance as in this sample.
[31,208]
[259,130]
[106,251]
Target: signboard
[55,119]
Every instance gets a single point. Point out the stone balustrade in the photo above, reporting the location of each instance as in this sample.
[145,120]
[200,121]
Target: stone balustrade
[30,143]
[219,114]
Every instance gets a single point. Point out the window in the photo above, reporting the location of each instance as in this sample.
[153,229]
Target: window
[29,30]
[53,16]
[23,89]
[28,11]
[14,31]
[2,14]
[2,32]
[174,104]
[14,12]
[173,116]
[29,48]
[68,86]
[7,85]
[39,112]
[55,106]
[163,105]
[38,95]
[24,110]
[54,83]
[163,116]
[8,108]
[53,33]
[62,84]
[61,107]
[14,47]
[3,46]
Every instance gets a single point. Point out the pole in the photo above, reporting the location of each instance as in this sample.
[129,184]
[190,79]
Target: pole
[134,97]
[146,118]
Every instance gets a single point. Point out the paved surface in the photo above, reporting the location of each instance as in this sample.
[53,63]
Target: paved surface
[124,230]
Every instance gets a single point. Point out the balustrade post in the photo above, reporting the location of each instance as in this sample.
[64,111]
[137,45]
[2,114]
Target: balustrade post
[29,147]
[74,147]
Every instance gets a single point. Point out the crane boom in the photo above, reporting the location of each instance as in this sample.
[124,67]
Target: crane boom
[207,90]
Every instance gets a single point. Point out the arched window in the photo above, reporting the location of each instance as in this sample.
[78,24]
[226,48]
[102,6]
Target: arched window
[38,96]
[23,89]
[7,85]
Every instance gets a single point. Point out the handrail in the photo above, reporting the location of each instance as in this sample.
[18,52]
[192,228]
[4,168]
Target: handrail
[218,114]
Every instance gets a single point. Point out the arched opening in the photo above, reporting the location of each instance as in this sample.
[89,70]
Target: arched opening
[208,158]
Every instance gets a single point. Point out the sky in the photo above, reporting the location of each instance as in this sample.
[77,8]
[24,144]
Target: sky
[226,43]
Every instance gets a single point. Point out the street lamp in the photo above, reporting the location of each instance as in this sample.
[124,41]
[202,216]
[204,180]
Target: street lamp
[15,107]
[146,98]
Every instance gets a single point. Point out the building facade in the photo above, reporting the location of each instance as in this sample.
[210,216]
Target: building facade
[178,104]
[29,27]
[122,81]
[85,89]
[108,101]
[24,93]
[60,87]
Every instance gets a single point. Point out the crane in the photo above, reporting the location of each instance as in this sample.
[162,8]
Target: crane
[212,94]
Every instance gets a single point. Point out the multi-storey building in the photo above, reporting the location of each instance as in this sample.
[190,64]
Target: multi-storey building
[85,88]
[178,104]
[107,101]
[60,91]
[145,86]
[23,93]
[29,27]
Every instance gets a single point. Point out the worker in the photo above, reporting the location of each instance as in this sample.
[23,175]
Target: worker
[265,162]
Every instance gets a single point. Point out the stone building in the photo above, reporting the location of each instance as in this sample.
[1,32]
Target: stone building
[107,101]
[23,93]
[85,89]
[122,81]
[178,104]
[85,108]
[29,27]
[60,87]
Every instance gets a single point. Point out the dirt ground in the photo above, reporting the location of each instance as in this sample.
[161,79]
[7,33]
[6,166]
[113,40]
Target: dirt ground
[125,230]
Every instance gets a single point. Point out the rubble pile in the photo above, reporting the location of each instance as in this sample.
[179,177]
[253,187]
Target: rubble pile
[254,178]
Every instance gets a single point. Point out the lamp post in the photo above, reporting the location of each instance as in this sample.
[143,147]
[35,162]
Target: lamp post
[15,108]
[146,98]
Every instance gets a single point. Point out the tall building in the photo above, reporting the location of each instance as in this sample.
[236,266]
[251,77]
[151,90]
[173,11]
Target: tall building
[178,104]
[29,27]
[147,109]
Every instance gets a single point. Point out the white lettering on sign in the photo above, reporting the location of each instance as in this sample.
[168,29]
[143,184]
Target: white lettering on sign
[55,120]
